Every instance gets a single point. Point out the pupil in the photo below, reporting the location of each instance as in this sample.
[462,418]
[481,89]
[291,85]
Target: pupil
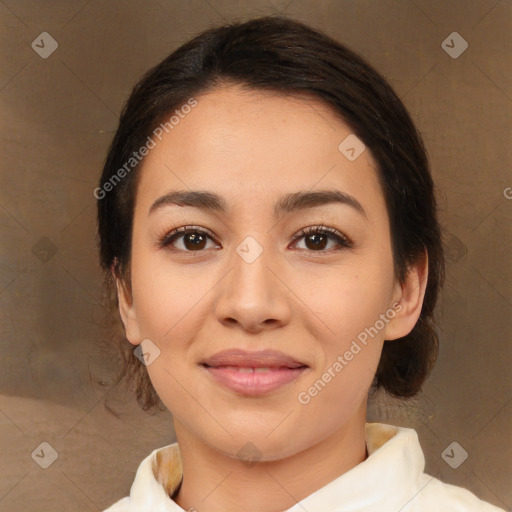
[195,239]
[316,243]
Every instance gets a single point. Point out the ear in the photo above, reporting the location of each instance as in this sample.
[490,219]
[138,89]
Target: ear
[408,300]
[127,308]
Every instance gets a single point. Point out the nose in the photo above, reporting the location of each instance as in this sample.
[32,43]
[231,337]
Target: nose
[252,296]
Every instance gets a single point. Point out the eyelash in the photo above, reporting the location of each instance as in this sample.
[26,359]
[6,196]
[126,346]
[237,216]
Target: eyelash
[166,240]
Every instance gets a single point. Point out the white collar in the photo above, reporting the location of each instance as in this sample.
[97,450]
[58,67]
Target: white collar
[387,480]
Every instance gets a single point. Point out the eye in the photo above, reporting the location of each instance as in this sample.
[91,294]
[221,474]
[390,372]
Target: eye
[316,238]
[195,238]
[192,238]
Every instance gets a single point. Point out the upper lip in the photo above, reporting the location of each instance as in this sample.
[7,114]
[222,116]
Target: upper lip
[259,359]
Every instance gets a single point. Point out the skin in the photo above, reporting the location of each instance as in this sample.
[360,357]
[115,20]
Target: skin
[251,147]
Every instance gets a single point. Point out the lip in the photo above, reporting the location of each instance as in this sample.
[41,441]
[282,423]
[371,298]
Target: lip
[263,371]
[259,359]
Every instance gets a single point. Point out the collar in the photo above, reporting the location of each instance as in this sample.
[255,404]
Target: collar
[387,480]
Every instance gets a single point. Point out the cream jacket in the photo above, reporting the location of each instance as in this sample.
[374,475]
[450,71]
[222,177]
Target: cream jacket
[391,479]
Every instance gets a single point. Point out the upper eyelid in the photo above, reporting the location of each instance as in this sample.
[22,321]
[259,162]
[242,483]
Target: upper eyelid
[183,230]
[176,233]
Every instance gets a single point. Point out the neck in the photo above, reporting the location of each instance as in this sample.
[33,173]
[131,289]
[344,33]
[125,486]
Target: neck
[214,482]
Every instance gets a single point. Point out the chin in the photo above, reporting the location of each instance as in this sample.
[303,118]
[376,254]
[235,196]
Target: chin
[250,444]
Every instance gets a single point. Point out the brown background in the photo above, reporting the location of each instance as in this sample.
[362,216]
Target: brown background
[58,116]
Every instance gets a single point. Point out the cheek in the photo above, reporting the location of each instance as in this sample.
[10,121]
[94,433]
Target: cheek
[165,298]
[346,301]
[171,305]
[349,303]
[349,308]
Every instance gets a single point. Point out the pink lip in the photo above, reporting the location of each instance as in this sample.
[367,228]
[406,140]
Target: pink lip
[282,369]
[259,359]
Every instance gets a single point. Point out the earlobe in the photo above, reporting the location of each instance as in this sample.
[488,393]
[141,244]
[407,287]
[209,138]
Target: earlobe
[409,299]
[127,309]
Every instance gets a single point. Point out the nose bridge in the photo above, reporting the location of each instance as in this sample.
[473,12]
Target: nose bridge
[252,295]
[251,278]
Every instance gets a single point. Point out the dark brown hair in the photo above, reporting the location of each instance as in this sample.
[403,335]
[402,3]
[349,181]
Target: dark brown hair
[284,56]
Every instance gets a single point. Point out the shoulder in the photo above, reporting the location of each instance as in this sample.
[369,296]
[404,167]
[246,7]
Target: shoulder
[434,493]
[157,476]
[119,506]
[398,449]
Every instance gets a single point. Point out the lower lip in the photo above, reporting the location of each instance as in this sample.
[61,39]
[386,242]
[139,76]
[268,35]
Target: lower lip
[255,383]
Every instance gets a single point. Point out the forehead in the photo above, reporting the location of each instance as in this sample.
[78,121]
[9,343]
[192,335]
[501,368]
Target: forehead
[252,145]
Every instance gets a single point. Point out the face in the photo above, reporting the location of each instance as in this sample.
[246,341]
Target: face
[242,274]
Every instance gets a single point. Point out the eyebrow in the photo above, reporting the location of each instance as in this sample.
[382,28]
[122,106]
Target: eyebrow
[288,203]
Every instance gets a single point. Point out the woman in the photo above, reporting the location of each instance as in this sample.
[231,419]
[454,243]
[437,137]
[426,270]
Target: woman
[268,219]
